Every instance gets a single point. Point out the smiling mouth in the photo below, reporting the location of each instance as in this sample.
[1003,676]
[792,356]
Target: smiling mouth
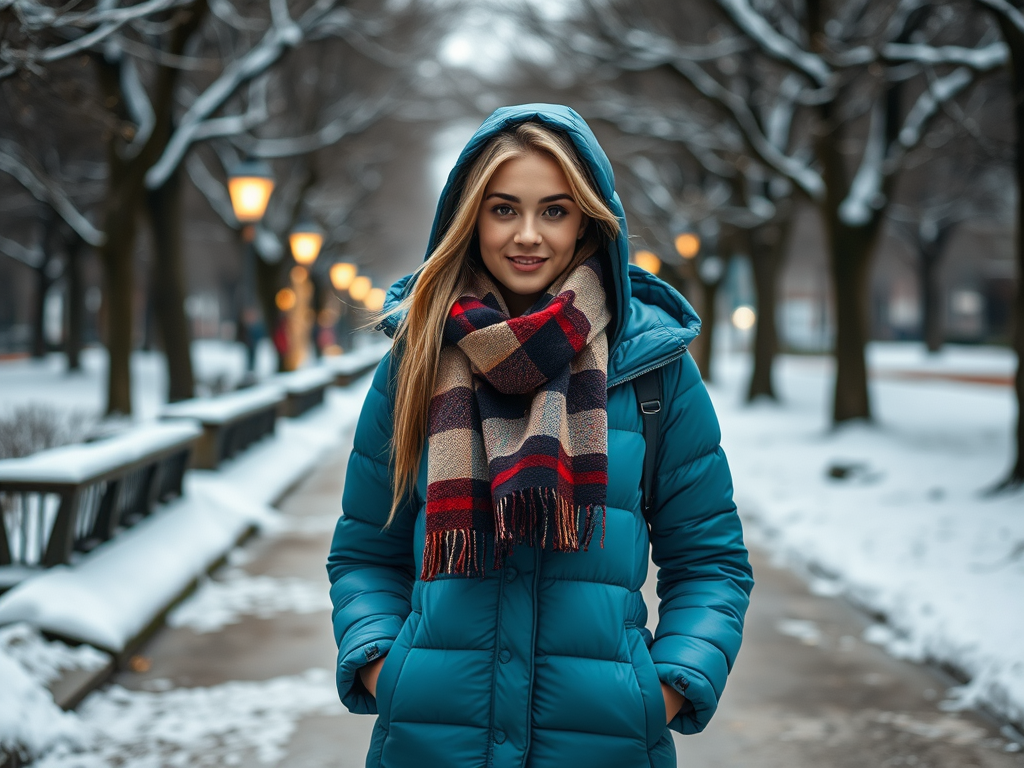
[526,261]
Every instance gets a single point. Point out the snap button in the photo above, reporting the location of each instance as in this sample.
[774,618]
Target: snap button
[504,656]
[511,573]
[372,652]
[499,737]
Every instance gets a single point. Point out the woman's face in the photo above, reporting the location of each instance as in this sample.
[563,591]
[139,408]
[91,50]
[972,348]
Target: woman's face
[528,225]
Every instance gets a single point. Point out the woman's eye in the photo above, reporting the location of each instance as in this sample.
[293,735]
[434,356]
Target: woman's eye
[555,211]
[503,210]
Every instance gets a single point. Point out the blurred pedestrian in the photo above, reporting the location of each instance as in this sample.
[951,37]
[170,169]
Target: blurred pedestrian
[487,567]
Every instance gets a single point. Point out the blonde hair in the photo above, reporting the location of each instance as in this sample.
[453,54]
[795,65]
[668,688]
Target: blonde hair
[448,273]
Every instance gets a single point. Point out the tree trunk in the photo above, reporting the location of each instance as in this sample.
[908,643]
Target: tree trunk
[766,260]
[702,347]
[851,252]
[1015,40]
[126,190]
[164,208]
[74,317]
[43,282]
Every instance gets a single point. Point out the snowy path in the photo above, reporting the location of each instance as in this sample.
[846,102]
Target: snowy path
[245,673]
[808,692]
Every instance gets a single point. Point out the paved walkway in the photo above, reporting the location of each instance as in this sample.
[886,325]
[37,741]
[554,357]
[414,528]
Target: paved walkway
[807,691]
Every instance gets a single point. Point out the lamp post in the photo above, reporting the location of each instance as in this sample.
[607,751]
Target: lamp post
[305,241]
[250,184]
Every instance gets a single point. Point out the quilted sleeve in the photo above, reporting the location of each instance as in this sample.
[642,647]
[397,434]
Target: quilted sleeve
[704,577]
[370,567]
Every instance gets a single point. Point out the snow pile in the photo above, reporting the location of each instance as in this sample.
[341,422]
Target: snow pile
[45,660]
[892,515]
[236,723]
[235,594]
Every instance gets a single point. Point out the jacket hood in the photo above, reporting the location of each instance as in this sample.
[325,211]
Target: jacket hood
[657,316]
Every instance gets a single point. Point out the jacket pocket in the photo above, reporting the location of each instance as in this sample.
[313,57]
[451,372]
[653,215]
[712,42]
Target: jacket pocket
[650,687]
[387,681]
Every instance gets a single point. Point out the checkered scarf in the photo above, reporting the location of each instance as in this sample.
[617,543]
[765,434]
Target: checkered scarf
[518,425]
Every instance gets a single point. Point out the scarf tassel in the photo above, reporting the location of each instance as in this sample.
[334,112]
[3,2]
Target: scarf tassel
[528,516]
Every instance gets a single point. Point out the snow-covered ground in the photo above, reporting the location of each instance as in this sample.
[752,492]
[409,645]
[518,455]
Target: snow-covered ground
[906,532]
[111,594]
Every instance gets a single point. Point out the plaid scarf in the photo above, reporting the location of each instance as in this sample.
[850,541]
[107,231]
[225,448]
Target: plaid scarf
[518,425]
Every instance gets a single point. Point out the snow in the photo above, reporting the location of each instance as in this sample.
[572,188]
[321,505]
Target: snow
[298,382]
[110,595]
[908,534]
[226,407]
[235,594]
[84,461]
[236,723]
[358,358]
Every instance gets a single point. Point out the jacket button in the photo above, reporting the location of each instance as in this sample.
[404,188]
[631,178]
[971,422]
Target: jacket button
[511,573]
[499,737]
[504,656]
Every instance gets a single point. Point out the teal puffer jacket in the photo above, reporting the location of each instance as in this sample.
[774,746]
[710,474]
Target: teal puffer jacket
[548,662]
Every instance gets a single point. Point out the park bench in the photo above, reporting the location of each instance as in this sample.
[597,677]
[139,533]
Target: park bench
[350,366]
[304,389]
[230,422]
[71,498]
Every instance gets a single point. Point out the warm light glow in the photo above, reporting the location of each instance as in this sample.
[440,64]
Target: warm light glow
[744,318]
[305,245]
[647,260]
[687,245]
[360,288]
[299,274]
[249,197]
[342,275]
[285,299]
[375,300]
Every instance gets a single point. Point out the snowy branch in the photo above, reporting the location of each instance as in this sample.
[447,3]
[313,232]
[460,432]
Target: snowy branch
[284,34]
[865,191]
[981,59]
[356,118]
[46,191]
[211,188]
[102,24]
[775,44]
[31,257]
[1007,11]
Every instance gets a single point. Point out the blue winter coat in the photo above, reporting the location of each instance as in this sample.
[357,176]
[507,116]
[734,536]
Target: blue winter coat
[547,662]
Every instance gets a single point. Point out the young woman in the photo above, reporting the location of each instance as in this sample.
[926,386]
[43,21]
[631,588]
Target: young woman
[486,571]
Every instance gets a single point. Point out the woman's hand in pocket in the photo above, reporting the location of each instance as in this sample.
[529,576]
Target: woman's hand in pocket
[371,672]
[673,702]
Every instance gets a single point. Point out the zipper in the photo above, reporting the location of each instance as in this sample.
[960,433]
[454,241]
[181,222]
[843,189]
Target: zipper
[538,552]
[671,357]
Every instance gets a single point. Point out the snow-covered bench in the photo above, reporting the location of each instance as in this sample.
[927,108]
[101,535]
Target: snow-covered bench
[304,389]
[350,366]
[74,497]
[231,422]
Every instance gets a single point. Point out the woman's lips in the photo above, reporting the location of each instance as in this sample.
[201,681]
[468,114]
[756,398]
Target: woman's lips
[526,263]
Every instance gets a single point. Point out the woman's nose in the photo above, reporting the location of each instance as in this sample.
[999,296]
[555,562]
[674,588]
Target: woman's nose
[528,233]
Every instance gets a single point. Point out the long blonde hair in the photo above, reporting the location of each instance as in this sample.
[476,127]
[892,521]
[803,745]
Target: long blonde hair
[448,273]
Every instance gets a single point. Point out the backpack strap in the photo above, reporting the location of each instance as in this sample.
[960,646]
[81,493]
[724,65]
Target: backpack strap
[648,396]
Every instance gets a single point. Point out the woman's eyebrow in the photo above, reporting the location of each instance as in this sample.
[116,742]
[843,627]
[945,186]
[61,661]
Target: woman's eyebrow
[514,199]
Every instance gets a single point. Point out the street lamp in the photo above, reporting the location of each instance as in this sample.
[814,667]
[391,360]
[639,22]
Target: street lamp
[360,288]
[647,260]
[249,185]
[375,299]
[342,275]
[305,240]
[687,244]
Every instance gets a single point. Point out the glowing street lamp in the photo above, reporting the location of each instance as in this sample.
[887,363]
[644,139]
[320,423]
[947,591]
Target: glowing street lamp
[249,185]
[374,300]
[305,240]
[744,318]
[647,260]
[360,288]
[342,275]
[687,244]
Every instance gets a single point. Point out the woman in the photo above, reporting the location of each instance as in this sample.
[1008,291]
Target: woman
[486,571]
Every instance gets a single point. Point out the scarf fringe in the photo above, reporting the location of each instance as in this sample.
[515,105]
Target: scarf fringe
[522,517]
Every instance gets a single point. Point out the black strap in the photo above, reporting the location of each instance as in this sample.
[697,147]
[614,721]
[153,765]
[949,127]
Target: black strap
[648,397]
